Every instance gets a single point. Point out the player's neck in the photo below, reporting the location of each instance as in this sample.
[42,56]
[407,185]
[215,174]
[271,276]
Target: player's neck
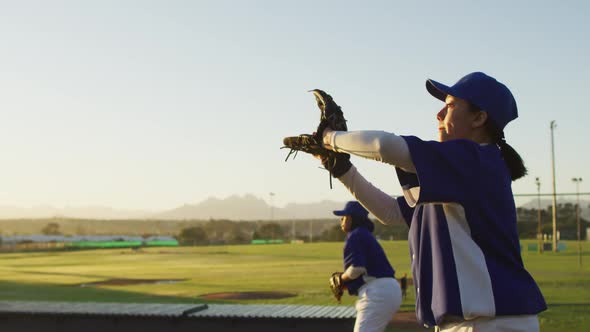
[480,136]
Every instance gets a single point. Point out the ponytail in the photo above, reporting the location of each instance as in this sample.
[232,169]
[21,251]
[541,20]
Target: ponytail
[512,159]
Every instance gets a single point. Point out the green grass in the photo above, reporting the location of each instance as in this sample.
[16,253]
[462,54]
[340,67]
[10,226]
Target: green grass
[565,285]
[299,268]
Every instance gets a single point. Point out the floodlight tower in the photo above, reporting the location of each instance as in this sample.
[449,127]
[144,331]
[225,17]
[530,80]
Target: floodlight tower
[552,126]
[272,195]
[577,182]
[539,234]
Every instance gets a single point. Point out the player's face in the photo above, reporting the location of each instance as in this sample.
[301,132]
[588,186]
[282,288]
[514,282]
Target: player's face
[345,222]
[455,119]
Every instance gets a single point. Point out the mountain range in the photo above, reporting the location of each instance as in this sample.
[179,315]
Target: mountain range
[250,207]
[236,207]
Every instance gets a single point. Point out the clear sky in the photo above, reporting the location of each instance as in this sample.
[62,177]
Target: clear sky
[155,104]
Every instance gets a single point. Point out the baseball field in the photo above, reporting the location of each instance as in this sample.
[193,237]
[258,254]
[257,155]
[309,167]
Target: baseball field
[274,274]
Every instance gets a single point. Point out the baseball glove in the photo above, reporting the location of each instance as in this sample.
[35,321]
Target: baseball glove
[336,285]
[331,116]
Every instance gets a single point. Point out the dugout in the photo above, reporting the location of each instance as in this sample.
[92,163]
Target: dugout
[151,317]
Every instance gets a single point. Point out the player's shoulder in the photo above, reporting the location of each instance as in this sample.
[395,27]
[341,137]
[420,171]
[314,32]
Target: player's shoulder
[453,142]
[457,145]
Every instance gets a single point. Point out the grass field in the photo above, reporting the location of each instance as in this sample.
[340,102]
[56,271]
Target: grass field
[302,269]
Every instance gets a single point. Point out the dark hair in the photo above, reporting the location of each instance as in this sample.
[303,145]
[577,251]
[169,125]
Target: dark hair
[513,160]
[358,221]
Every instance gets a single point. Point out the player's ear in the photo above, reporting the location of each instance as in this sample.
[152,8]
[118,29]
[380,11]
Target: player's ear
[479,119]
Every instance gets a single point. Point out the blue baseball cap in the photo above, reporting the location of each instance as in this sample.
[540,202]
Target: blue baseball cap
[483,91]
[352,208]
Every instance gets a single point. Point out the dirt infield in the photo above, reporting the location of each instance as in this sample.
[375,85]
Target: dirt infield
[406,321]
[126,282]
[247,296]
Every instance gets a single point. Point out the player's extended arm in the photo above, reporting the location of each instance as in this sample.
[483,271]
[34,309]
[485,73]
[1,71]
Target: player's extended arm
[376,145]
[384,207]
[371,144]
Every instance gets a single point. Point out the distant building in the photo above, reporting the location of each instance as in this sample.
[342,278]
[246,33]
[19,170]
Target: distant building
[31,242]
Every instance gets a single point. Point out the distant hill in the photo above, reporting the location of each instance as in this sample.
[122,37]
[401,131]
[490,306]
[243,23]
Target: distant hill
[236,207]
[82,212]
[246,207]
[249,207]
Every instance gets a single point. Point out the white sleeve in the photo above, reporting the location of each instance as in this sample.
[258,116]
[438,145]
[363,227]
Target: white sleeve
[377,145]
[384,207]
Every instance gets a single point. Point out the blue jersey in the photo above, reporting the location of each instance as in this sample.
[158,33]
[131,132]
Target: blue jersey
[463,238]
[361,249]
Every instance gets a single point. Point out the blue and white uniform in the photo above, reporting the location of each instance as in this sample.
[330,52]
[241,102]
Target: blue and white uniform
[371,277]
[463,239]
[361,249]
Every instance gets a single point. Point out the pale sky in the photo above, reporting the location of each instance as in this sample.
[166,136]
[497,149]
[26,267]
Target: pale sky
[155,104]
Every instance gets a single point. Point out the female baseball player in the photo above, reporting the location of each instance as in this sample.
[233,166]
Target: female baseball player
[367,272]
[458,203]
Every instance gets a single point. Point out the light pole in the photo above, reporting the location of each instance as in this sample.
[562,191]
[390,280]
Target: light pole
[577,182]
[539,234]
[552,126]
[271,206]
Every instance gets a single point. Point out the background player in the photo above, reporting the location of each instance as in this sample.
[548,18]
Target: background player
[367,272]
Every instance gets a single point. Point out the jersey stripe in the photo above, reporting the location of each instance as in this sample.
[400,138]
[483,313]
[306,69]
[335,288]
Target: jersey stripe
[475,285]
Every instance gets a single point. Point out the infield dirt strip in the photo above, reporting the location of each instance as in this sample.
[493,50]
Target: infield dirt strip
[247,296]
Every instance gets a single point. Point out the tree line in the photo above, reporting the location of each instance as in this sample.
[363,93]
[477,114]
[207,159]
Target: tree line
[222,231]
[229,232]
[566,222]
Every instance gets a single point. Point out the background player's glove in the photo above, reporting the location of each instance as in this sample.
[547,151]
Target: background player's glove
[331,116]
[336,285]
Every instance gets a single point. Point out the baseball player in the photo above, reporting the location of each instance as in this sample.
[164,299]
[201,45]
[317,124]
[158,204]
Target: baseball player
[458,202]
[367,272]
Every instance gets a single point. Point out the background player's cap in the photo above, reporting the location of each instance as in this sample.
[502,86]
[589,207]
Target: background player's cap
[352,208]
[482,90]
